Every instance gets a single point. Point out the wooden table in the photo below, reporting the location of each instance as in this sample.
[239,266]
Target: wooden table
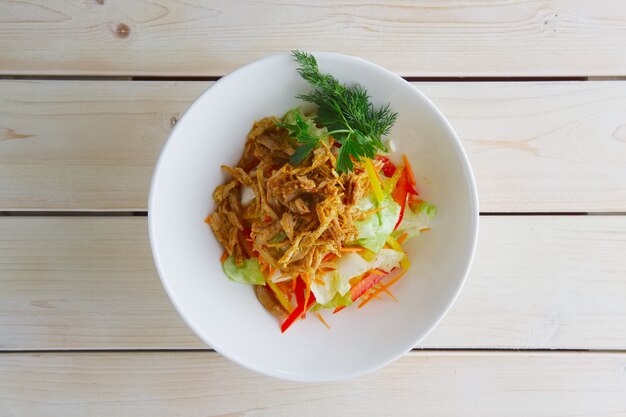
[90,90]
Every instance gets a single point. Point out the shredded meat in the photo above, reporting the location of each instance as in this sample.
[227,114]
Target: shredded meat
[299,213]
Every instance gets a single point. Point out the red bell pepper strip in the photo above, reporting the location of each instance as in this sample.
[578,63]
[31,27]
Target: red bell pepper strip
[299,290]
[300,309]
[402,207]
[388,167]
[368,281]
[400,195]
[410,188]
[404,189]
[409,176]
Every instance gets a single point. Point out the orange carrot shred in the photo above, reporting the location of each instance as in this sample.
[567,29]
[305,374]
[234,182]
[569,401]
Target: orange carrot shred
[285,288]
[409,170]
[224,257]
[351,248]
[402,238]
[319,316]
[372,211]
[328,257]
[383,288]
[370,296]
[318,281]
[396,279]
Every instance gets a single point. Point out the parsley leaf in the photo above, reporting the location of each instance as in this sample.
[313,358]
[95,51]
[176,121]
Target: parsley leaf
[346,112]
[303,130]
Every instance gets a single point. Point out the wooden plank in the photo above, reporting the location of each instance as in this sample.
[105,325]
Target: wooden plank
[89,282]
[84,144]
[535,147]
[541,147]
[420,383]
[83,282]
[421,38]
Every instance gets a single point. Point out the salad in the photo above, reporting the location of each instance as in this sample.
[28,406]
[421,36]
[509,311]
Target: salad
[315,213]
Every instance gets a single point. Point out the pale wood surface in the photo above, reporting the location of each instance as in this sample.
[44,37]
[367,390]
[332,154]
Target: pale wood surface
[534,146]
[84,144]
[421,38]
[89,282]
[70,284]
[204,384]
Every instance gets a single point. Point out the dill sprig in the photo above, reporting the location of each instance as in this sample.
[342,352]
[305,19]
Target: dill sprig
[347,113]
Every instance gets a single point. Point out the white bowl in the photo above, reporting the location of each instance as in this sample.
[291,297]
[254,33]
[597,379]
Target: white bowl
[225,314]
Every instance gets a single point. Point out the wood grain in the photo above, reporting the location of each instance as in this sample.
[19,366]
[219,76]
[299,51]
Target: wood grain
[205,384]
[420,38]
[84,144]
[534,147]
[547,282]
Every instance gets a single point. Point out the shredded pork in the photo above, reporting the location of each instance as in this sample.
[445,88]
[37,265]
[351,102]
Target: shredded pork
[299,214]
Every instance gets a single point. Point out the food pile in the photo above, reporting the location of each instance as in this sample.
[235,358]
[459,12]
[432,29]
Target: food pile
[315,213]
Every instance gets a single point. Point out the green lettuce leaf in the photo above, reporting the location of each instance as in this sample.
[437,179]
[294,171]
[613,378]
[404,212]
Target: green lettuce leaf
[374,230]
[337,301]
[334,283]
[416,220]
[386,260]
[429,209]
[249,272]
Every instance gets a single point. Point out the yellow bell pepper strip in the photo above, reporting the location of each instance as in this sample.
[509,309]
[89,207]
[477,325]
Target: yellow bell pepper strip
[280,296]
[371,174]
[404,263]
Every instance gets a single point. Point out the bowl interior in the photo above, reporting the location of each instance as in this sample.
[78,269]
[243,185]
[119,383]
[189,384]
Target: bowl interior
[226,315]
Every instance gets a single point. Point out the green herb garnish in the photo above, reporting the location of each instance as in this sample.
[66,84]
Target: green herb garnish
[303,129]
[346,112]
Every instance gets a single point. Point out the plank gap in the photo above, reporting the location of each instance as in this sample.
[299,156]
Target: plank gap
[43,77]
[144,213]
[63,213]
[208,349]
[534,213]
[66,77]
